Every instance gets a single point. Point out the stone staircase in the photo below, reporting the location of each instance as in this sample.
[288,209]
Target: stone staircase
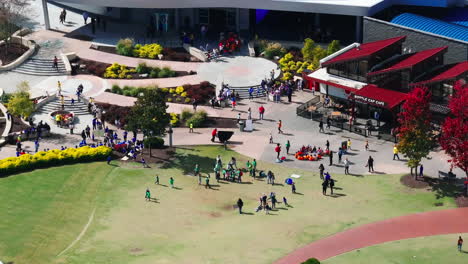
[244,92]
[41,67]
[79,108]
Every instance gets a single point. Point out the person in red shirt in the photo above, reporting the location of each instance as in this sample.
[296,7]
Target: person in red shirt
[280,124]
[261,110]
[278,150]
[213,134]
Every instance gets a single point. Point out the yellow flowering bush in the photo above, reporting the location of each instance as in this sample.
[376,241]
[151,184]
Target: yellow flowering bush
[287,76]
[184,94]
[51,158]
[147,51]
[118,71]
[174,119]
[179,89]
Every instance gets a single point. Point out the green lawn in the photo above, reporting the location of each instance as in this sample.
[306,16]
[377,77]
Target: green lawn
[48,209]
[423,250]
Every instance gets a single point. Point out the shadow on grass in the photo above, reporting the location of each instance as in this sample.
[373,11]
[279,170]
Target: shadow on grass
[446,188]
[337,195]
[244,213]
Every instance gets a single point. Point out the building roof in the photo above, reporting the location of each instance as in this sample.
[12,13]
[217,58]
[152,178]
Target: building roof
[458,16]
[432,26]
[374,95]
[321,75]
[365,50]
[451,73]
[412,60]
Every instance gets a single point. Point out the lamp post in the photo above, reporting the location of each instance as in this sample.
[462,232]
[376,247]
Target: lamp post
[170,132]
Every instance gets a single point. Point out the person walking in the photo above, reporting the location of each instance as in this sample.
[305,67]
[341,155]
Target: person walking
[273,201]
[207,182]
[55,65]
[321,127]
[328,123]
[64,15]
[213,134]
[251,90]
[327,144]
[285,201]
[248,165]
[340,154]
[261,111]
[346,166]
[109,159]
[280,124]
[421,170]
[331,158]
[324,187]
[331,184]
[254,167]
[271,139]
[293,187]
[395,152]
[287,145]
[191,127]
[171,182]
[196,170]
[370,164]
[349,143]
[156,179]
[321,169]
[249,114]
[367,145]
[240,204]
[460,244]
[59,87]
[278,150]
[148,195]
[36,145]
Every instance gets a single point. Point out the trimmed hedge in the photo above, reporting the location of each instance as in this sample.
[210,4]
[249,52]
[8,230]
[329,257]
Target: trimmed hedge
[54,157]
[197,119]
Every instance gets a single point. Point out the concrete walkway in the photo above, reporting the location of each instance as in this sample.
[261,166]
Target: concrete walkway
[451,221]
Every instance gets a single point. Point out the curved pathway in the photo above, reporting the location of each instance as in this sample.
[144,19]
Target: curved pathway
[451,221]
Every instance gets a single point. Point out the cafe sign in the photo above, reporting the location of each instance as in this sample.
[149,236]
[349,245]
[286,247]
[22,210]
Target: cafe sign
[368,100]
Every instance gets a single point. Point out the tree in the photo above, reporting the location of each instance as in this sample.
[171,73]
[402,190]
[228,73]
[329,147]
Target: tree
[333,47]
[20,104]
[454,137]
[13,13]
[415,139]
[149,114]
[308,50]
[311,261]
[318,53]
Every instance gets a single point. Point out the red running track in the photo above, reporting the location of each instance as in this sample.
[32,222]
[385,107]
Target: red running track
[432,223]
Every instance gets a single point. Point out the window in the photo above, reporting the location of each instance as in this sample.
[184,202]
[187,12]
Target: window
[204,16]
[230,17]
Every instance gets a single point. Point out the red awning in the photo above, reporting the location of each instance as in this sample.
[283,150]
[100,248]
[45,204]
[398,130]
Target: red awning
[452,73]
[337,85]
[412,60]
[376,96]
[365,50]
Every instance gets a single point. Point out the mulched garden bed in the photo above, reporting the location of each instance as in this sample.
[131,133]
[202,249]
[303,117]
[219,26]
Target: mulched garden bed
[461,201]
[99,68]
[409,181]
[169,54]
[11,53]
[164,155]
[18,125]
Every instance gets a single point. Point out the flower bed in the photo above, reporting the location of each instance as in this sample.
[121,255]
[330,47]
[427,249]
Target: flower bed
[54,157]
[185,94]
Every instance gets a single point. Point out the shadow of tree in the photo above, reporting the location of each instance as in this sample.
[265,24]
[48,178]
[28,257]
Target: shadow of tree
[445,188]
[186,163]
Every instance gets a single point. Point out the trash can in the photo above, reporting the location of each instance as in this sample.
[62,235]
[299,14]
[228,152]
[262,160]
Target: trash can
[241,126]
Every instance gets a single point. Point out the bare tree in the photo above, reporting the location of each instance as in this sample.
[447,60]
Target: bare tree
[12,14]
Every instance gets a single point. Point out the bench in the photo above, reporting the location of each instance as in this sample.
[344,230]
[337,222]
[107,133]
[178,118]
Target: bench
[446,175]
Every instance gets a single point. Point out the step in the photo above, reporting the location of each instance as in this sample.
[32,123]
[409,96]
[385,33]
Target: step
[40,74]
[39,70]
[33,66]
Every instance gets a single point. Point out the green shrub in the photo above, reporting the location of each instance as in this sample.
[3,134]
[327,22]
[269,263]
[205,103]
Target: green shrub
[169,100]
[154,72]
[187,100]
[311,261]
[125,47]
[178,99]
[274,49]
[166,72]
[116,89]
[198,119]
[165,90]
[186,114]
[142,68]
[155,142]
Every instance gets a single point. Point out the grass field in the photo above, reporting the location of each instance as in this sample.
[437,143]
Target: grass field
[48,209]
[423,250]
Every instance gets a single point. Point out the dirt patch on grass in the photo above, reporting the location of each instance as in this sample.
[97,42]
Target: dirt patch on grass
[158,156]
[419,183]
[215,214]
[461,201]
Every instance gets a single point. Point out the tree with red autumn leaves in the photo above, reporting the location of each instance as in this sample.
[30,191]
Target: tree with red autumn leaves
[454,137]
[414,132]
